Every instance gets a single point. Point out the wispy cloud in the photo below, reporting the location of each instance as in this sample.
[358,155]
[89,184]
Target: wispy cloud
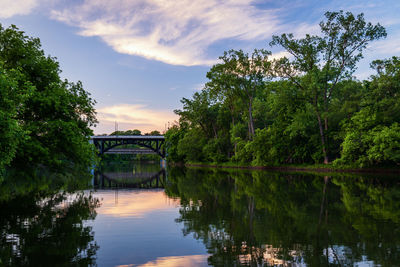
[9,8]
[175,32]
[134,116]
[389,46]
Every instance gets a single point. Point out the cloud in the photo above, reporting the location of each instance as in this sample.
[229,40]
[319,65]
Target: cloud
[136,116]
[176,32]
[281,54]
[389,46]
[9,8]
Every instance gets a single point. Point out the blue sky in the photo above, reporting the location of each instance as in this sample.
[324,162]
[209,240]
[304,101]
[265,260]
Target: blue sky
[138,58]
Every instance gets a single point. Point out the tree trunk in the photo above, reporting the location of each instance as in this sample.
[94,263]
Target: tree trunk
[251,123]
[215,131]
[323,143]
[233,125]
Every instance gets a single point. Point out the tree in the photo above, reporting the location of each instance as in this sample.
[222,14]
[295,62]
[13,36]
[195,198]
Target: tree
[240,76]
[320,63]
[155,132]
[201,112]
[372,135]
[56,115]
[11,97]
[128,132]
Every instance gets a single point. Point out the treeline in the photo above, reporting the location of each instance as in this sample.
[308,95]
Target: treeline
[133,132]
[302,109]
[44,120]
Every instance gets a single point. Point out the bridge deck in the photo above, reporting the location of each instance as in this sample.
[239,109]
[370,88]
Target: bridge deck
[127,137]
[129,151]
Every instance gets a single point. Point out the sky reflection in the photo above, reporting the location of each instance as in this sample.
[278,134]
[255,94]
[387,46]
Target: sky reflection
[134,203]
[138,228]
[175,261]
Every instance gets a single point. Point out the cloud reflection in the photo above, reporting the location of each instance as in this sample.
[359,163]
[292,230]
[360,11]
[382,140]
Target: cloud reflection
[175,261]
[135,203]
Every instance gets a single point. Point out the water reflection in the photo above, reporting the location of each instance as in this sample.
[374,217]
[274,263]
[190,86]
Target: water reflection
[134,204]
[43,225]
[140,216]
[174,261]
[260,218]
[136,175]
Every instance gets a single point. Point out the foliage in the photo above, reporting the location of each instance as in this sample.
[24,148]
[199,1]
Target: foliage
[298,110]
[321,62]
[372,134]
[191,145]
[243,75]
[48,117]
[172,136]
[12,99]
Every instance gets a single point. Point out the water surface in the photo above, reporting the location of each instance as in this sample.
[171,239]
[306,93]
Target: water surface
[144,216]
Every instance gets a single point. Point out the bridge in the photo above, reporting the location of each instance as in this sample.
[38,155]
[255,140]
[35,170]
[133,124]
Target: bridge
[153,143]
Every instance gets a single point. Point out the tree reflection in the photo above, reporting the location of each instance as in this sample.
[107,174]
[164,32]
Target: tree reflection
[258,218]
[41,224]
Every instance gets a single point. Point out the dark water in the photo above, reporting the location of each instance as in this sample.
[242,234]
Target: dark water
[146,216]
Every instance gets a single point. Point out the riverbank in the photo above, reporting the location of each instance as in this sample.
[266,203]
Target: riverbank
[297,168]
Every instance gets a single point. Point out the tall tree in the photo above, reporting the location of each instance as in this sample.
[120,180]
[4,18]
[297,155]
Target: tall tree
[241,75]
[319,63]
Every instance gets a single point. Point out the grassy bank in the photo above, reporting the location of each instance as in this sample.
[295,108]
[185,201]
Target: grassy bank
[298,167]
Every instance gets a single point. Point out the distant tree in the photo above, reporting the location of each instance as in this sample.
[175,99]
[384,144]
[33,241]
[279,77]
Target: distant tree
[319,63]
[155,132]
[134,132]
[128,132]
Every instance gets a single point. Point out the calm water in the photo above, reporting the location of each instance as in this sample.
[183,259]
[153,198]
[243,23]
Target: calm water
[144,216]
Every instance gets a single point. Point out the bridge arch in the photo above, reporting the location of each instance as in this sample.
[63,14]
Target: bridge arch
[105,143]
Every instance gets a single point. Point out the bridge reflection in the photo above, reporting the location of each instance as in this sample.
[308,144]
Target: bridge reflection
[130,179]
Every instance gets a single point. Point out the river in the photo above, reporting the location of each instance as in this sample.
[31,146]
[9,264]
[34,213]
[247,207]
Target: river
[142,215]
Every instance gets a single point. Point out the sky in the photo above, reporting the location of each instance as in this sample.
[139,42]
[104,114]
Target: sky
[139,58]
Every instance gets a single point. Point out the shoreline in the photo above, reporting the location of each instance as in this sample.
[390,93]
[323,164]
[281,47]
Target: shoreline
[294,168]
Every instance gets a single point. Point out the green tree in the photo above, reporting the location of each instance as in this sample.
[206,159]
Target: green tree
[12,99]
[202,112]
[172,136]
[190,147]
[320,62]
[155,132]
[56,116]
[243,76]
[372,134]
